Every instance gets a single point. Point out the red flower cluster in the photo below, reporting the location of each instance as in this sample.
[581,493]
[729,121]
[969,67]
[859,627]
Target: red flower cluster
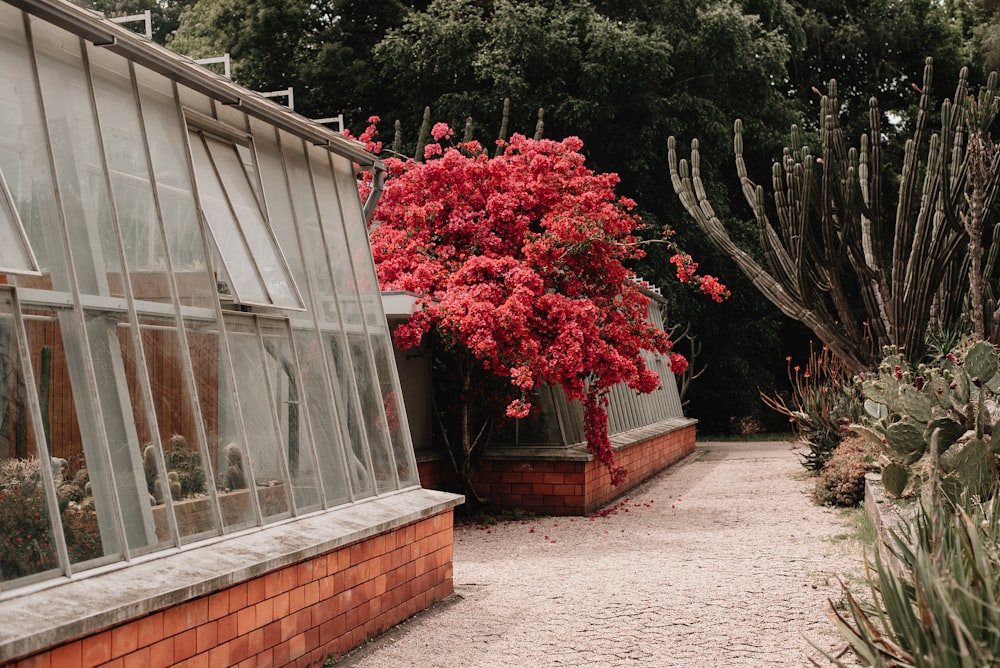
[687,272]
[520,258]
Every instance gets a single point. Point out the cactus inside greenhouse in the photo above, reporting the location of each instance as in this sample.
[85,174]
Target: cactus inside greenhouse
[860,271]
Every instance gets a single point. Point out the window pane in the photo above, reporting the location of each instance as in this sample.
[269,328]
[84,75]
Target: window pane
[15,252]
[345,392]
[346,288]
[232,171]
[166,136]
[280,207]
[293,426]
[342,381]
[131,186]
[373,412]
[391,396]
[262,439]
[244,281]
[378,329]
[185,461]
[328,430]
[123,415]
[253,262]
[333,234]
[69,419]
[77,156]
[226,445]
[24,157]
[27,545]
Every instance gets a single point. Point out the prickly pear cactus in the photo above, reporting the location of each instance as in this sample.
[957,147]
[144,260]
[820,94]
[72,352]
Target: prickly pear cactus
[954,398]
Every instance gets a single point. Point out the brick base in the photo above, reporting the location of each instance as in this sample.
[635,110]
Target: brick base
[297,615]
[566,486]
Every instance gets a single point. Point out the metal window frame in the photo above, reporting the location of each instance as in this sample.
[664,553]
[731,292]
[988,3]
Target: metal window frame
[13,219]
[202,128]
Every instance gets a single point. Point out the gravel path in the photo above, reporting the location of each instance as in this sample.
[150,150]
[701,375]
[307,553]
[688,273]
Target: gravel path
[722,560]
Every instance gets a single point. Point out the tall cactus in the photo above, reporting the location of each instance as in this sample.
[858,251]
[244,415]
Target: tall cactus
[838,260]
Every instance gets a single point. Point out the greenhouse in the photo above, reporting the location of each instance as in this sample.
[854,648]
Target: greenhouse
[192,345]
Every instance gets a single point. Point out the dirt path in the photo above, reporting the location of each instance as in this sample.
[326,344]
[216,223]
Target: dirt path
[722,560]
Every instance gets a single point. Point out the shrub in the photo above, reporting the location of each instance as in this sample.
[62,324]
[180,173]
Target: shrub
[841,482]
[825,398]
[27,545]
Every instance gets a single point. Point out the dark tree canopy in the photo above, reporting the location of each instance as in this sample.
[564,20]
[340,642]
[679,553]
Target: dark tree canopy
[623,76]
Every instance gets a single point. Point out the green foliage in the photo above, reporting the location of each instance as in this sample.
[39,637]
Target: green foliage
[942,609]
[873,48]
[322,50]
[164,14]
[936,420]
[27,545]
[841,482]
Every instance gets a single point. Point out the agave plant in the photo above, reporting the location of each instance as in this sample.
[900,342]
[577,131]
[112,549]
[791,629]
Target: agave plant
[942,608]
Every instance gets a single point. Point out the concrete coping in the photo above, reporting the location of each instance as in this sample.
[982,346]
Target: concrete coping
[886,518]
[89,602]
[577,452]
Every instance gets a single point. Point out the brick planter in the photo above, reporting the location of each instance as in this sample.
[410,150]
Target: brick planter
[568,481]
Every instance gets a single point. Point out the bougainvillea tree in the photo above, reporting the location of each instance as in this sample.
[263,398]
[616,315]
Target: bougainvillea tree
[520,261]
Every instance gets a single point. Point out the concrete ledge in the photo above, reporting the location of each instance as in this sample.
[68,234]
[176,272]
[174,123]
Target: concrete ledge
[884,515]
[578,452]
[85,604]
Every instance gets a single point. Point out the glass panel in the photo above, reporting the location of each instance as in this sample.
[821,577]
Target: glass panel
[126,423]
[367,380]
[70,419]
[357,237]
[264,444]
[328,430]
[333,233]
[235,177]
[24,157]
[371,304]
[167,136]
[15,251]
[344,390]
[27,545]
[287,394]
[187,464]
[191,99]
[76,152]
[373,412]
[391,396]
[131,187]
[233,212]
[244,281]
[225,441]
[281,210]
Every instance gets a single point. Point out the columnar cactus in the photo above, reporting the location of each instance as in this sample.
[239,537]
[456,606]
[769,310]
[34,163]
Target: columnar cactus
[847,264]
[946,412]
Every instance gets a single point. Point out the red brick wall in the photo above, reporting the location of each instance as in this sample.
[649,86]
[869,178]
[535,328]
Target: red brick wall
[559,487]
[643,460]
[294,616]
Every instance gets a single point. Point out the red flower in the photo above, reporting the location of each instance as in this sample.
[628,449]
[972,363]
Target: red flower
[523,259]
